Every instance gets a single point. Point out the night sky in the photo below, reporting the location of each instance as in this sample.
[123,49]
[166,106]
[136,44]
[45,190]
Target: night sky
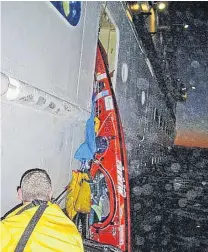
[192,64]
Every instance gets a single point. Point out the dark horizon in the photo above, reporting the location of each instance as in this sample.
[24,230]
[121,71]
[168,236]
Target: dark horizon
[192,69]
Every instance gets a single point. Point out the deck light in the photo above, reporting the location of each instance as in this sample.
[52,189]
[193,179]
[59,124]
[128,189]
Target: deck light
[134,7]
[145,7]
[139,7]
[161,6]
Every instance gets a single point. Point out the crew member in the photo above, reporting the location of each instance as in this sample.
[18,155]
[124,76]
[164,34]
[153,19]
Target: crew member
[38,225]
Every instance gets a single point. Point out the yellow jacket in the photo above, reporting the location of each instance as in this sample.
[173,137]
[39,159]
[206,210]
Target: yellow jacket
[53,232]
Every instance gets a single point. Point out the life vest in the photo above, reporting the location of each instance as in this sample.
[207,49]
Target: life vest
[53,232]
[78,198]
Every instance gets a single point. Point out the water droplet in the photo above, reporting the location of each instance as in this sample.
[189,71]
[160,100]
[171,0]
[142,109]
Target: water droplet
[177,183]
[199,191]
[168,187]
[164,242]
[175,167]
[147,189]
[137,190]
[140,240]
[195,64]
[137,206]
[191,195]
[147,228]
[158,218]
[158,206]
[182,202]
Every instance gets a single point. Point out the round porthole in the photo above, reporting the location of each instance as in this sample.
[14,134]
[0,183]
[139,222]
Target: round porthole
[124,72]
[143,98]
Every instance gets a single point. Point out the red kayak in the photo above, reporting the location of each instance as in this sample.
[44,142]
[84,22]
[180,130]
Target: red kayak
[109,219]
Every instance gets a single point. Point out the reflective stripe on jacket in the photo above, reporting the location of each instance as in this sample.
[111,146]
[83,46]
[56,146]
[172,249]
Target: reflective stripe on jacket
[53,232]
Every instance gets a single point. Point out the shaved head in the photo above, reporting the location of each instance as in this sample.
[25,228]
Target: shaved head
[35,184]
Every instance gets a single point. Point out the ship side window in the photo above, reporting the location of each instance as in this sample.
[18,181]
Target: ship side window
[164,125]
[156,115]
[109,37]
[161,121]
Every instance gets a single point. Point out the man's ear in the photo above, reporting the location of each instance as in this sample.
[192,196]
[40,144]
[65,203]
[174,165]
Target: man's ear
[19,193]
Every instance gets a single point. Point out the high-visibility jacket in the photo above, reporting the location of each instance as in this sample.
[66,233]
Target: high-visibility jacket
[53,232]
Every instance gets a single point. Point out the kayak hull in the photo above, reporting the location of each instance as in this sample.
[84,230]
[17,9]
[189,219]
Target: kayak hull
[110,162]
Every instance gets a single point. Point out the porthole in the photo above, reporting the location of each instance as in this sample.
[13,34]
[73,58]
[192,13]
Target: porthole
[124,72]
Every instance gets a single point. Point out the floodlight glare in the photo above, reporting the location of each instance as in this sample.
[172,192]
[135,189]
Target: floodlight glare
[161,6]
[134,7]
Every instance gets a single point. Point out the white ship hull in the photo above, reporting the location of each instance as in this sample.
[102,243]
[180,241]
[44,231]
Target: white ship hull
[45,56]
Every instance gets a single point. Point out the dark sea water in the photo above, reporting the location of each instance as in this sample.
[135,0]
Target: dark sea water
[169,204]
